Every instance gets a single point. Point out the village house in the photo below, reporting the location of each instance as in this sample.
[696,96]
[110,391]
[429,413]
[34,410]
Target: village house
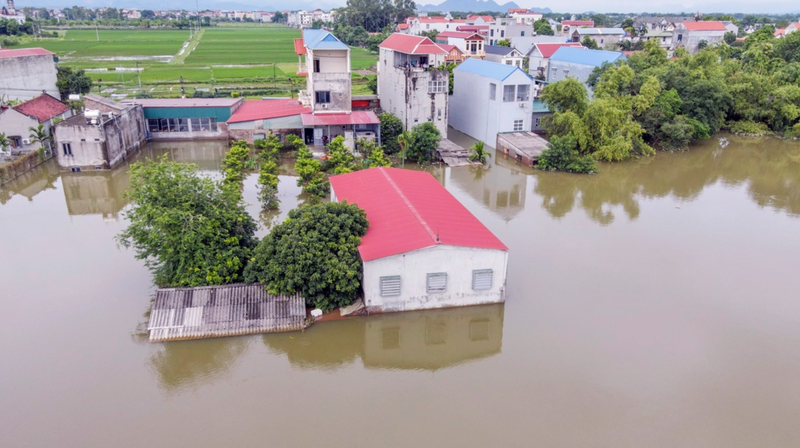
[475,46]
[664,38]
[539,57]
[482,30]
[525,44]
[507,28]
[454,54]
[456,38]
[187,118]
[26,73]
[525,17]
[791,28]
[474,19]
[659,23]
[16,122]
[603,37]
[423,249]
[101,137]
[731,27]
[9,12]
[689,35]
[568,26]
[406,86]
[504,55]
[417,25]
[489,98]
[578,63]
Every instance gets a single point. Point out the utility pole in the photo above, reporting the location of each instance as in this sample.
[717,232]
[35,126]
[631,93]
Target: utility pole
[274,80]
[183,92]
[99,86]
[97,33]
[139,76]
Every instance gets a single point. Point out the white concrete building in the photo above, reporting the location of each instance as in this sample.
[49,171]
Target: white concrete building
[690,34]
[16,122]
[526,17]
[525,44]
[603,37]
[508,28]
[406,86]
[489,98]
[327,71]
[423,249]
[27,73]
[540,54]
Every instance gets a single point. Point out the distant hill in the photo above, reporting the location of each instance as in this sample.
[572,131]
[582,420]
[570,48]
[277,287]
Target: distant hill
[468,6]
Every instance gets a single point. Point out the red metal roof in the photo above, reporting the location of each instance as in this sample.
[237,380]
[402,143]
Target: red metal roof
[407,44]
[485,18]
[449,48]
[6,53]
[299,48]
[704,26]
[409,210]
[453,34]
[402,26]
[355,117]
[547,49]
[512,10]
[473,28]
[43,107]
[432,19]
[588,23]
[266,109]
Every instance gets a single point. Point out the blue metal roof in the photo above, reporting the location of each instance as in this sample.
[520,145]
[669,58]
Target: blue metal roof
[322,40]
[488,69]
[584,56]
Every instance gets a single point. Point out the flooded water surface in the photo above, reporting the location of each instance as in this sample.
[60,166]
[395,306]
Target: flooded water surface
[655,304]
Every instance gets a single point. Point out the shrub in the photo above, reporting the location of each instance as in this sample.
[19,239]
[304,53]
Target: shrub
[748,128]
[562,155]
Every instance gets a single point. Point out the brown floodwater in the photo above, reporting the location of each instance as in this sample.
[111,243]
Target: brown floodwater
[655,304]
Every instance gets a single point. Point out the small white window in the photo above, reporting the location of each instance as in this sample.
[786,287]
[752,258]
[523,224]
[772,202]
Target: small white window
[437,283]
[517,125]
[492,91]
[437,86]
[482,279]
[390,286]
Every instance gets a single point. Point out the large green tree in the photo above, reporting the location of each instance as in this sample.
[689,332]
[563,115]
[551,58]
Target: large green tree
[391,127]
[188,228]
[425,139]
[71,81]
[313,253]
[542,27]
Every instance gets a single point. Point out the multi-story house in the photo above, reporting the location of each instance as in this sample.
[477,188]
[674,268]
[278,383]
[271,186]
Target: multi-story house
[526,17]
[327,71]
[507,28]
[409,84]
[603,37]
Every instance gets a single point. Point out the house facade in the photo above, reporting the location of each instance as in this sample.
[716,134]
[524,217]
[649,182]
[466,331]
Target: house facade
[327,71]
[578,63]
[16,122]
[508,28]
[603,37]
[526,17]
[489,98]
[504,55]
[539,57]
[406,86]
[27,73]
[101,137]
[423,248]
[689,35]
[475,46]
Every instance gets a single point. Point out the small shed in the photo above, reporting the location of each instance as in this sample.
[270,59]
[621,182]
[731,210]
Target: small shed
[524,147]
[187,118]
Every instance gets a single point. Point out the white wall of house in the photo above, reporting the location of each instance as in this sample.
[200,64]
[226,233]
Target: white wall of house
[333,76]
[691,39]
[413,268]
[506,28]
[515,58]
[26,77]
[525,44]
[560,70]
[414,95]
[16,127]
[475,113]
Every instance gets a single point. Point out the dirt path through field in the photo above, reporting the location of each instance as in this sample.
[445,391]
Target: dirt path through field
[187,48]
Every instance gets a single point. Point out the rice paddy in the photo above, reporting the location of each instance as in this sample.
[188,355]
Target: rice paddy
[255,56]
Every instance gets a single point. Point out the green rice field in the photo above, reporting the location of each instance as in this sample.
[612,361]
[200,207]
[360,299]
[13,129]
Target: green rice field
[228,57]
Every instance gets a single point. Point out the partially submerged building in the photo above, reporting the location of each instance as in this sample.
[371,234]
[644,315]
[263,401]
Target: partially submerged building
[423,249]
[101,137]
[16,122]
[489,98]
[187,118]
[410,85]
[26,73]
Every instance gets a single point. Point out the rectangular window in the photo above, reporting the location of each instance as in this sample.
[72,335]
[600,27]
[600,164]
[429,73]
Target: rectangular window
[437,86]
[491,33]
[517,125]
[502,33]
[508,62]
[680,37]
[522,33]
[212,124]
[508,93]
[538,121]
[492,91]
[16,141]
[153,125]
[323,97]
[164,125]
[482,279]
[67,147]
[436,283]
[183,124]
[390,286]
[197,124]
[316,65]
[523,92]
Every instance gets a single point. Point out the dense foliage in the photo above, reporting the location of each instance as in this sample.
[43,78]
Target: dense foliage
[71,81]
[268,168]
[234,164]
[391,127]
[421,142]
[314,253]
[310,177]
[562,155]
[542,27]
[189,229]
[374,15]
[478,153]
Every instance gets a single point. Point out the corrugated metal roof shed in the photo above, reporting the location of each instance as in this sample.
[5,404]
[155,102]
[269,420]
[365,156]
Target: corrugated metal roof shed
[266,109]
[488,69]
[409,210]
[584,56]
[355,117]
[185,102]
[43,107]
[7,53]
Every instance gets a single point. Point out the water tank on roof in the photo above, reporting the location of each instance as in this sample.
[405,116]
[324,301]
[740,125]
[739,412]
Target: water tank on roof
[92,116]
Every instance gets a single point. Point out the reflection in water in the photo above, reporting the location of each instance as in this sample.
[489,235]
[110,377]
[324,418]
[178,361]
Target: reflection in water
[193,363]
[33,182]
[94,193]
[419,340]
[501,190]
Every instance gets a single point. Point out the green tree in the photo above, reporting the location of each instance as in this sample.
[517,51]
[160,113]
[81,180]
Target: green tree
[372,84]
[310,177]
[478,153]
[72,82]
[562,155]
[391,127]
[542,27]
[729,38]
[339,157]
[567,95]
[425,139]
[279,17]
[188,228]
[313,253]
[589,43]
[41,137]
[233,165]
[268,169]
[4,142]
[504,43]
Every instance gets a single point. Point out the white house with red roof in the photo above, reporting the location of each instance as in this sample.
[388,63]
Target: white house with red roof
[689,34]
[423,249]
[15,122]
[27,73]
[406,86]
[539,56]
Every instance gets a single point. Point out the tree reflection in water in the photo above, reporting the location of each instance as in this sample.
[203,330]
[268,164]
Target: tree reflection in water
[184,364]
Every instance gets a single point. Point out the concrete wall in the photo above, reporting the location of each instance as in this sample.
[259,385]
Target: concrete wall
[580,72]
[515,59]
[691,39]
[16,124]
[334,77]
[104,145]
[413,267]
[474,113]
[404,92]
[507,29]
[25,77]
